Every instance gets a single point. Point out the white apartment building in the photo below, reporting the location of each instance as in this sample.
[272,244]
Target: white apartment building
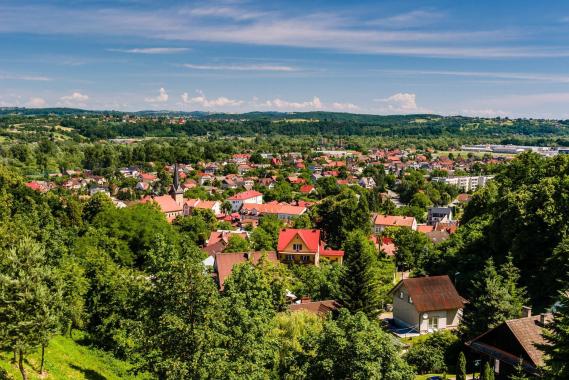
[465,183]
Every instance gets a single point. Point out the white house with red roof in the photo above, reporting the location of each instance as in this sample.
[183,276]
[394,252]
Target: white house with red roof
[381,222]
[304,246]
[191,204]
[246,197]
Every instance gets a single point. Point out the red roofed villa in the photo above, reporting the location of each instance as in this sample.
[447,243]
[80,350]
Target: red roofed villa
[304,246]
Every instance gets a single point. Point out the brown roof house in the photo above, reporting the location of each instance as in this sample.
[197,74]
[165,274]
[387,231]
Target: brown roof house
[426,304]
[514,342]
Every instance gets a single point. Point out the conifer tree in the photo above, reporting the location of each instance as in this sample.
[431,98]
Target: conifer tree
[461,367]
[359,284]
[557,337]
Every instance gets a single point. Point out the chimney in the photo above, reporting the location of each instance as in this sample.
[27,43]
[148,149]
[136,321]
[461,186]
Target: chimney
[542,320]
[526,311]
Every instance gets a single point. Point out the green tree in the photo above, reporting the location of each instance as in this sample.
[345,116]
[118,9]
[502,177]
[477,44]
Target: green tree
[359,282]
[180,334]
[249,312]
[31,305]
[557,337]
[237,244]
[95,205]
[339,215]
[461,367]
[487,373]
[493,301]
[353,347]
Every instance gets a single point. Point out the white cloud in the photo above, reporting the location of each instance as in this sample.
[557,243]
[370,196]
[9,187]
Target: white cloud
[401,102]
[483,112]
[345,107]
[201,100]
[161,98]
[73,100]
[241,67]
[36,102]
[155,50]
[280,104]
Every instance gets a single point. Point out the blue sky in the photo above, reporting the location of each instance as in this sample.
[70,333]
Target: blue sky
[488,58]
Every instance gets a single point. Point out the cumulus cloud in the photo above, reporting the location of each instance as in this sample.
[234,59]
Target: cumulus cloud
[36,102]
[154,50]
[161,98]
[281,104]
[345,106]
[73,100]
[401,102]
[201,100]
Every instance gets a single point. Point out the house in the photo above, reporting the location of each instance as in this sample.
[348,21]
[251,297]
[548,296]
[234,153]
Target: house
[367,182]
[307,189]
[224,263]
[172,204]
[321,308]
[246,197]
[426,304]
[381,222]
[514,342]
[191,204]
[304,246]
[281,210]
[439,215]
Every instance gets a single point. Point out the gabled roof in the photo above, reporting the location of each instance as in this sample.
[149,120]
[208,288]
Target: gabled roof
[224,262]
[245,195]
[394,220]
[431,293]
[318,307]
[274,209]
[166,203]
[310,237]
[515,339]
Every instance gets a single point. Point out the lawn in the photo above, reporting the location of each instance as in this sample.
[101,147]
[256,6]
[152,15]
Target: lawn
[424,377]
[67,358]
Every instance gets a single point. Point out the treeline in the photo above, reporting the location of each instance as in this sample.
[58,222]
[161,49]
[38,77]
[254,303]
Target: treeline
[403,126]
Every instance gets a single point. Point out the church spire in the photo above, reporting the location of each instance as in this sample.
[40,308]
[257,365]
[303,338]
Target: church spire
[176,190]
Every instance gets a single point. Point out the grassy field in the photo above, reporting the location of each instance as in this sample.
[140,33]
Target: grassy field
[424,377]
[67,358]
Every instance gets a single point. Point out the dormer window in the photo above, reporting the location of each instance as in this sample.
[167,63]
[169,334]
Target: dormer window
[297,247]
[401,295]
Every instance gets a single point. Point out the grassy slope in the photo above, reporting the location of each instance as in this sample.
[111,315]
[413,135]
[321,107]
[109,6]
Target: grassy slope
[66,359]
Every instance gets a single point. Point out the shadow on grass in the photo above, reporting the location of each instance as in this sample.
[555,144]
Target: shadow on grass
[89,373]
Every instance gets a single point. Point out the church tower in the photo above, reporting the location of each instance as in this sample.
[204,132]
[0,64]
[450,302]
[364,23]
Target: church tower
[176,190]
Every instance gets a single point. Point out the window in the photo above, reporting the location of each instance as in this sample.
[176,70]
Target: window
[401,294]
[433,323]
[410,299]
[289,258]
[297,247]
[304,258]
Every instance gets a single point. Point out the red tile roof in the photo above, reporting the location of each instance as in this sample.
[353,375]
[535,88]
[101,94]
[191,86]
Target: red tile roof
[310,237]
[224,262]
[306,189]
[394,220]
[432,293]
[274,208]
[166,203]
[245,195]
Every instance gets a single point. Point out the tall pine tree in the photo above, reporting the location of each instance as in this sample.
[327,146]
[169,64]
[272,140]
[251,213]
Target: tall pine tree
[359,283]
